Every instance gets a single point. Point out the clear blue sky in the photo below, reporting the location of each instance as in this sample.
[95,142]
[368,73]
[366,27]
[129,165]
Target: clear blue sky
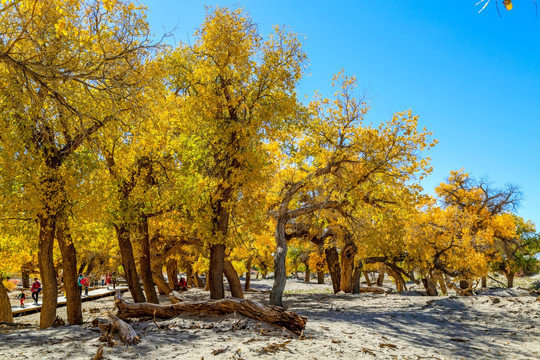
[474,79]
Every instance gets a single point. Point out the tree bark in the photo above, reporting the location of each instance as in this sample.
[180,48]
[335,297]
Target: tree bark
[249,308]
[215,272]
[347,264]
[47,227]
[25,278]
[198,281]
[5,305]
[280,270]
[162,285]
[510,279]
[128,261]
[484,281]
[172,273]
[144,261]
[398,279]
[431,289]
[320,277]
[380,278]
[368,280]
[248,273]
[232,278]
[70,274]
[356,277]
[332,261]
[308,272]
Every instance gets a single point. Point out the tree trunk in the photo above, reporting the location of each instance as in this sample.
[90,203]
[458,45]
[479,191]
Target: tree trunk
[128,261]
[464,284]
[252,309]
[198,281]
[320,277]
[161,283]
[232,278]
[70,274]
[308,272]
[356,277]
[368,280]
[431,289]
[172,273]
[5,304]
[280,269]
[144,261]
[215,272]
[380,278]
[484,281]
[189,275]
[248,274]
[347,264]
[398,279]
[332,261]
[442,284]
[510,279]
[25,278]
[47,227]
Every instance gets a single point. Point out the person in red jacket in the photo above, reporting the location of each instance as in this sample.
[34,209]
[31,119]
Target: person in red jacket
[36,289]
[182,284]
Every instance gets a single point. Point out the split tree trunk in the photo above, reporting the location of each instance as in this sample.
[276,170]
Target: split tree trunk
[69,258]
[47,227]
[128,261]
[332,261]
[232,278]
[248,274]
[249,308]
[215,272]
[5,305]
[146,269]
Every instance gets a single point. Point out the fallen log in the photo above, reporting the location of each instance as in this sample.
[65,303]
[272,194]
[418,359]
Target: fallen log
[125,331]
[249,308]
[373,289]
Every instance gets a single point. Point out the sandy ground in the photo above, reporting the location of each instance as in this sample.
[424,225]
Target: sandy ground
[496,324]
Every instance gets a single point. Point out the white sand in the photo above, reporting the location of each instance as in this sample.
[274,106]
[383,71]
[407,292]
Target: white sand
[499,324]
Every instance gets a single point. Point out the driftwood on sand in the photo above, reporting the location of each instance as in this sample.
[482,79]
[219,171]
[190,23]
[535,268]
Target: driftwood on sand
[116,325]
[249,308]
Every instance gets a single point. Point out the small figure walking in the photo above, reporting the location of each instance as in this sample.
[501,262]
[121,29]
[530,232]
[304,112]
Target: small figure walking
[85,282]
[79,283]
[36,289]
[21,297]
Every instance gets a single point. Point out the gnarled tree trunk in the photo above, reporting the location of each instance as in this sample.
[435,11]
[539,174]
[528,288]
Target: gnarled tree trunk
[380,278]
[332,261]
[320,277]
[308,272]
[347,264]
[356,277]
